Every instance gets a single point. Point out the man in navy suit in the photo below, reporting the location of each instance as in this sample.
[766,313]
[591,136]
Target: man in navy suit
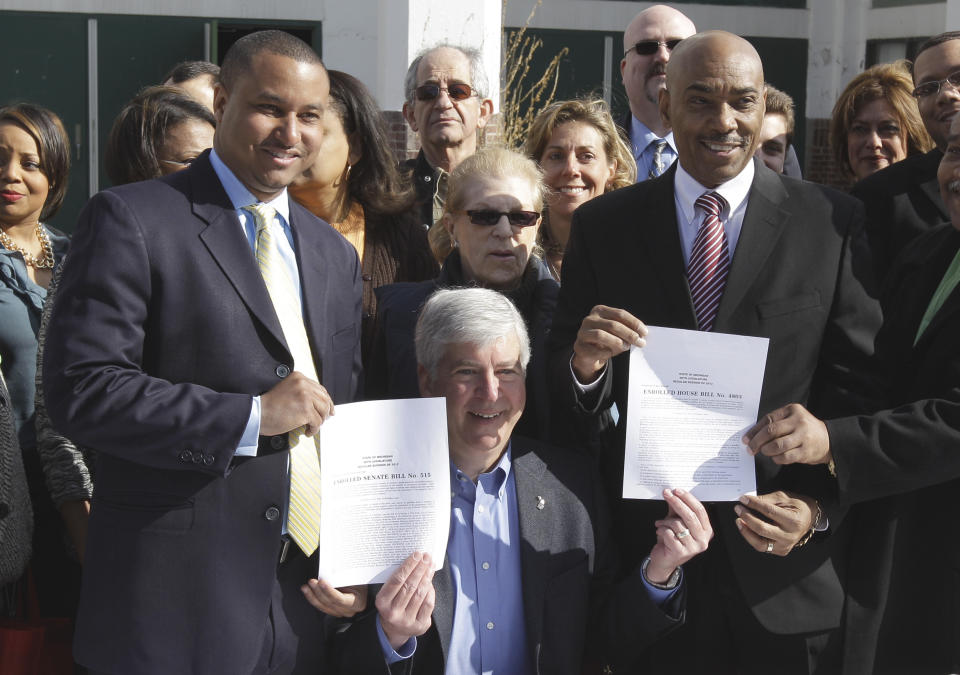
[167,355]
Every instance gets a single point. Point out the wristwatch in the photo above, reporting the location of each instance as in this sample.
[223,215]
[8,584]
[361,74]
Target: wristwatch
[670,584]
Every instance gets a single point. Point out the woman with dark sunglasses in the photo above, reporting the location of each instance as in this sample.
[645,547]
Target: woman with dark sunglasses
[492,215]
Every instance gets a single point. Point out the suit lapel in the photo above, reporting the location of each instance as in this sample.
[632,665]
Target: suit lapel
[311,261]
[443,606]
[934,272]
[534,527]
[931,188]
[659,238]
[226,242]
[762,225]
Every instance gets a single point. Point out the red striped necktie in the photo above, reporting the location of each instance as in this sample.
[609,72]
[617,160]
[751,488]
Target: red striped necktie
[709,261]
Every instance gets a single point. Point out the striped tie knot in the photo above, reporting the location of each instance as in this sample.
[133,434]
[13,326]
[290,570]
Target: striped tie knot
[711,203]
[709,261]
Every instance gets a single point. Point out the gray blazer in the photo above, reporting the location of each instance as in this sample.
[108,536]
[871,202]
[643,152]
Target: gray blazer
[579,613]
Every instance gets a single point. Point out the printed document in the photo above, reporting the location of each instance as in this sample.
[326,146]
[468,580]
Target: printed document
[385,477]
[692,396]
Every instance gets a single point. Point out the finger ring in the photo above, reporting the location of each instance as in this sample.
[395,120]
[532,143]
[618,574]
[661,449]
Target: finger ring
[682,533]
[769,547]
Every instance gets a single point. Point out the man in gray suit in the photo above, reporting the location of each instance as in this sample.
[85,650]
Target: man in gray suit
[528,584]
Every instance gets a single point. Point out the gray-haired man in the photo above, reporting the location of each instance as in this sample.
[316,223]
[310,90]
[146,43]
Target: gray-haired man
[528,583]
[447,105]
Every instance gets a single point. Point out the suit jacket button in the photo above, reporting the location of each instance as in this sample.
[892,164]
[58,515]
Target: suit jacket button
[186,456]
[278,442]
[283,370]
[208,459]
[271,513]
[367,277]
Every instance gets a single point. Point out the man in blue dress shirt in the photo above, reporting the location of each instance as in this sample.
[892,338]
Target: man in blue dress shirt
[530,583]
[647,44]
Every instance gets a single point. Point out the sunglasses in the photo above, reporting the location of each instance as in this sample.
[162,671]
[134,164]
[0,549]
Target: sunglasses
[456,91]
[650,47]
[489,217]
[933,87]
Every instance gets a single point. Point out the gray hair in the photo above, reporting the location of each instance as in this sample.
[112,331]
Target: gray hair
[475,316]
[478,76]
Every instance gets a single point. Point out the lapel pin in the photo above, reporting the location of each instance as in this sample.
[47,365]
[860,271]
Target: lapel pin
[541,502]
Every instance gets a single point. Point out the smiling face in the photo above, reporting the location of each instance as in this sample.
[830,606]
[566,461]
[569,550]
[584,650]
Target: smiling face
[874,140]
[948,174]
[335,153]
[494,256]
[575,167]
[444,123]
[714,101]
[183,144]
[772,143]
[486,393]
[938,110]
[269,125]
[23,185]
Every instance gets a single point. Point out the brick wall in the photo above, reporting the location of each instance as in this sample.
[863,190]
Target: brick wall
[405,143]
[820,166]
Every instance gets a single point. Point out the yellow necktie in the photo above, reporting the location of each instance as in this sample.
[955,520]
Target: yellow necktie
[303,514]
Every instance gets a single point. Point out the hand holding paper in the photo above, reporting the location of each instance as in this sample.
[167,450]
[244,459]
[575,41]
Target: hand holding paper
[341,602]
[604,333]
[405,603]
[790,435]
[682,534]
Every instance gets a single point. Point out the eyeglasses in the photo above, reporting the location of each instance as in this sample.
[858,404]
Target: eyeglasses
[933,87]
[489,217]
[650,47]
[456,91]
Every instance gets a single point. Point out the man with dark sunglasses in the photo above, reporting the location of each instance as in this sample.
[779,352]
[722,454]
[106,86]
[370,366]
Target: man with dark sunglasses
[447,106]
[903,200]
[647,44]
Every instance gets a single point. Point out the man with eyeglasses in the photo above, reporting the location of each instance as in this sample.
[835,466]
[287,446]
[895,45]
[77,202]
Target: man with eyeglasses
[904,199]
[647,43]
[447,106]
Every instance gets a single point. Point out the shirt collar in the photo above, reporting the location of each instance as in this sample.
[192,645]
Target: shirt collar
[734,191]
[641,136]
[240,196]
[461,483]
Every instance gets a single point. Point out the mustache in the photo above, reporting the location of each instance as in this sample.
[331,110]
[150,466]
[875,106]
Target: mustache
[656,69]
[727,139]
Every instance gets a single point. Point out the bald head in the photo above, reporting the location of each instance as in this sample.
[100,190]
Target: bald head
[714,101]
[656,28]
[657,18]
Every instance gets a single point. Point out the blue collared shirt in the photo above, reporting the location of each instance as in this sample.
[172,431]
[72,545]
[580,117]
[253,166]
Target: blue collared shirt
[643,142]
[239,197]
[483,554]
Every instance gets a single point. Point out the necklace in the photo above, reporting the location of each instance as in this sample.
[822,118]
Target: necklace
[44,262]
